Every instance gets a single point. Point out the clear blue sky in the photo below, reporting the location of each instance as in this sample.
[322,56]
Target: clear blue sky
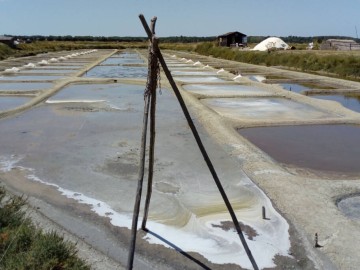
[180,17]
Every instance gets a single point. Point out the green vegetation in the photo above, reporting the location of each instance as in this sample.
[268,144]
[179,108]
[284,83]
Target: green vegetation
[342,64]
[22,246]
[334,63]
[26,49]
[5,51]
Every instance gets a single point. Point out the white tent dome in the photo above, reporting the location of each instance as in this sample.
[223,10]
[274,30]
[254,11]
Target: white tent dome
[271,42]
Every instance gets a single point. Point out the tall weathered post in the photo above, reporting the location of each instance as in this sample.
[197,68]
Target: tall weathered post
[150,98]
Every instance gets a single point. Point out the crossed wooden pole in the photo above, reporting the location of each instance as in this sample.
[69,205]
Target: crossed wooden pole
[155,57]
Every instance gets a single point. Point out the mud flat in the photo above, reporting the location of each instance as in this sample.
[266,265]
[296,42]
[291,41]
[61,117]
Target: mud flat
[186,207]
[74,150]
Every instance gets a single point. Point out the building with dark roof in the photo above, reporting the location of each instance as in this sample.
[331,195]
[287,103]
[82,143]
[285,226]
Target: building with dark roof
[10,41]
[232,39]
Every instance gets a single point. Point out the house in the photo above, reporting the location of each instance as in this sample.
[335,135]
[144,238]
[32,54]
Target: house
[10,41]
[232,39]
[340,45]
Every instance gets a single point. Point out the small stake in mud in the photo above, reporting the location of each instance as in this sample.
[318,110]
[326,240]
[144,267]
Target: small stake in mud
[317,241]
[263,212]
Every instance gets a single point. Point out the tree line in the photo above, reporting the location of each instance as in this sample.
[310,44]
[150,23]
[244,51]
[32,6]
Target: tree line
[175,39]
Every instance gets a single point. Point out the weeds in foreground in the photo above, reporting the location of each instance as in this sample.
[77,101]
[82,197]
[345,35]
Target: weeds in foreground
[23,246]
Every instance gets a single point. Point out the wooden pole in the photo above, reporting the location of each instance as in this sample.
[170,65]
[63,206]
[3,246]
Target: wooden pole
[154,63]
[151,82]
[139,186]
[200,144]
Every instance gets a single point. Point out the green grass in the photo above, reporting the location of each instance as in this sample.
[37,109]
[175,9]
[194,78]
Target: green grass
[5,51]
[23,246]
[37,47]
[342,64]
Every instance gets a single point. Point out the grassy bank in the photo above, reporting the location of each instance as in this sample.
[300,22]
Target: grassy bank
[5,51]
[37,47]
[342,64]
[22,246]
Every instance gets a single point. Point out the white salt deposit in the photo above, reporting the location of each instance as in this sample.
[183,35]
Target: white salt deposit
[198,63]
[221,70]
[201,234]
[271,43]
[7,164]
[259,78]
[12,70]
[190,61]
[237,77]
[43,62]
[29,65]
[53,60]
[62,58]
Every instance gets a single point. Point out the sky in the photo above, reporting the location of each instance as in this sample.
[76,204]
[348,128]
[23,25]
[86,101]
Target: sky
[180,17]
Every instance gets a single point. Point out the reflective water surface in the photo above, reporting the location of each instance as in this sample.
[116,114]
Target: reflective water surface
[350,101]
[318,147]
[10,102]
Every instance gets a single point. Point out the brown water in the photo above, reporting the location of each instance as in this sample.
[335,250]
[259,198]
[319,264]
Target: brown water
[319,147]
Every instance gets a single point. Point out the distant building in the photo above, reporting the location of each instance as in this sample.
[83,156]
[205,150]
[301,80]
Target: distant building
[340,45]
[233,39]
[10,41]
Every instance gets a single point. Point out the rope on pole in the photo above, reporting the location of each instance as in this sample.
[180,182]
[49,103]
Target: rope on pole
[153,84]
[148,96]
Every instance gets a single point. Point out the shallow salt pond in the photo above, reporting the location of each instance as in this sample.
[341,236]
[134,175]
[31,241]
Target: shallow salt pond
[30,78]
[300,87]
[121,61]
[197,72]
[263,108]
[24,86]
[200,79]
[127,55]
[45,71]
[176,65]
[330,148]
[224,89]
[10,102]
[89,151]
[350,101]
[350,206]
[294,87]
[117,72]
[256,78]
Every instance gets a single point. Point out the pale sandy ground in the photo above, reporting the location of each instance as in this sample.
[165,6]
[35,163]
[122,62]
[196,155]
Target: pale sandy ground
[307,199]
